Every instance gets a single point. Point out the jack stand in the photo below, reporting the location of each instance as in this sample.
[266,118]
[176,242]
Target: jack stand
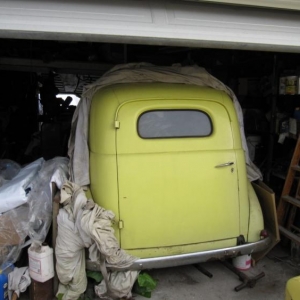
[247,281]
[203,270]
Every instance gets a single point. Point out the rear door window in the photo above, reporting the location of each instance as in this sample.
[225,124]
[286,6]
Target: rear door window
[174,124]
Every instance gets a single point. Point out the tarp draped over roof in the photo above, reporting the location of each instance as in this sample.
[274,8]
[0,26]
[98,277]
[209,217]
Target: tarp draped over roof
[140,73]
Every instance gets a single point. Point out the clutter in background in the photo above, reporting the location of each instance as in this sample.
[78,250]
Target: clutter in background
[26,204]
[40,259]
[4,271]
[40,198]
[289,84]
[8,170]
[13,232]
[15,191]
[83,224]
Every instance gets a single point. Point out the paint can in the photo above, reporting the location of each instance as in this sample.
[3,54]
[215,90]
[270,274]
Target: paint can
[242,262]
[291,83]
[282,81]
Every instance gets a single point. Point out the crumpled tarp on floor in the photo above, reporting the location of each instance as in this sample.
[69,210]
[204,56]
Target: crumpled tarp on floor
[136,73]
[84,224]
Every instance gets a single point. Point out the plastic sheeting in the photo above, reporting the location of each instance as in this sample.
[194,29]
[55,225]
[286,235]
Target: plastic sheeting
[14,192]
[13,232]
[135,73]
[83,224]
[32,219]
[40,197]
[8,170]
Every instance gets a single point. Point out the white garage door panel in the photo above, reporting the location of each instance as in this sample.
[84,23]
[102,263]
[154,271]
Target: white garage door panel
[192,14]
[80,10]
[242,25]
[285,4]
[156,22]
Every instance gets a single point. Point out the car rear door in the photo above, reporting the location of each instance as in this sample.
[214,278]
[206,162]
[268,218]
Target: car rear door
[177,173]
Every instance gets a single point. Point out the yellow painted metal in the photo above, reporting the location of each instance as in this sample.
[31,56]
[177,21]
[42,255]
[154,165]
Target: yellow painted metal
[175,181]
[103,168]
[292,291]
[168,191]
[243,188]
[121,224]
[256,221]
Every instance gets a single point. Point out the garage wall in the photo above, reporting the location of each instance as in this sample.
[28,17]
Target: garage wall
[154,22]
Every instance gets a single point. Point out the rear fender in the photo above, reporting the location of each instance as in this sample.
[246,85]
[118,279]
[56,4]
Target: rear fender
[256,221]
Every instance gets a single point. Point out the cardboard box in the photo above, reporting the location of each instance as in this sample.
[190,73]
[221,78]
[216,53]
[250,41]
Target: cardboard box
[8,233]
[266,197]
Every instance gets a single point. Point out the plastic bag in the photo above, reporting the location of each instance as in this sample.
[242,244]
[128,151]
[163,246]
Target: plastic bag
[40,197]
[15,191]
[13,231]
[33,218]
[8,170]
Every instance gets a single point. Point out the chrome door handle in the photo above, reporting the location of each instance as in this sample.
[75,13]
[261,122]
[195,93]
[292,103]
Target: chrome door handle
[225,165]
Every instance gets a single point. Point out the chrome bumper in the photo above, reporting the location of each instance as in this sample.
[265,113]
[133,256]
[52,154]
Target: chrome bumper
[191,258]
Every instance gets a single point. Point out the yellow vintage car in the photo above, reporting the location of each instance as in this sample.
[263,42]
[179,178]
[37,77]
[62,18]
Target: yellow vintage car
[167,159]
[292,291]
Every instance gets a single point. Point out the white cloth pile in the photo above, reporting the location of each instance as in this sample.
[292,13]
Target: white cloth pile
[83,224]
[135,73]
[18,281]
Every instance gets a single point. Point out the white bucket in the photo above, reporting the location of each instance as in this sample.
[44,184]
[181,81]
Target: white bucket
[41,266]
[242,262]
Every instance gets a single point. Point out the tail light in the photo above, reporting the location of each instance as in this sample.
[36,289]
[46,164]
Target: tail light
[263,234]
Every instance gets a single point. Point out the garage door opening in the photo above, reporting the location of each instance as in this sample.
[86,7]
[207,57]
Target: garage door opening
[38,76]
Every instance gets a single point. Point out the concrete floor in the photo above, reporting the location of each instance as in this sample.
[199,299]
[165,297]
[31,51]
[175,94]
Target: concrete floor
[187,283]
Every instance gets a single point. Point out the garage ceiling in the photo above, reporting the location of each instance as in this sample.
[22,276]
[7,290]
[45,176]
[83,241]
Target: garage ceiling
[169,22]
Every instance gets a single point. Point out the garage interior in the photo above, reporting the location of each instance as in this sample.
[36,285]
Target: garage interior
[38,74]
[35,75]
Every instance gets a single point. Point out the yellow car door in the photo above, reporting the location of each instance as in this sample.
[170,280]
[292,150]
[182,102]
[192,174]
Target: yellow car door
[177,173]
